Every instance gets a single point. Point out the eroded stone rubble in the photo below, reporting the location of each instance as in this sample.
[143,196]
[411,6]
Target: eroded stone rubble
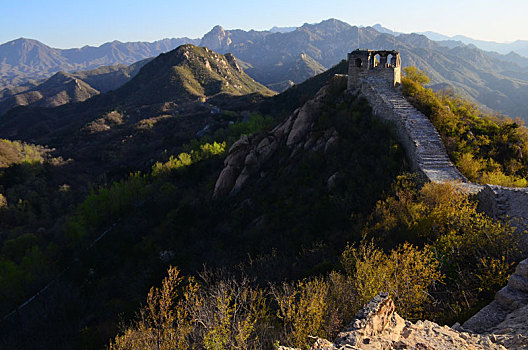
[501,325]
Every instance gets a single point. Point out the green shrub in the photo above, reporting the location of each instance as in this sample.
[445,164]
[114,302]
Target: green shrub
[204,151]
[302,309]
[406,273]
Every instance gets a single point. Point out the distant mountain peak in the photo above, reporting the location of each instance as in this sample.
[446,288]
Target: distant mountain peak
[25,42]
[384,30]
[217,29]
[217,39]
[333,21]
[276,29]
[329,25]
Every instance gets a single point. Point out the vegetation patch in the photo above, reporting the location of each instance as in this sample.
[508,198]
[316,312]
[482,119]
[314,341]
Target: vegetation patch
[105,123]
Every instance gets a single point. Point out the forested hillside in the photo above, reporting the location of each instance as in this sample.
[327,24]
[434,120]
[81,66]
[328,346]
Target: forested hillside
[425,244]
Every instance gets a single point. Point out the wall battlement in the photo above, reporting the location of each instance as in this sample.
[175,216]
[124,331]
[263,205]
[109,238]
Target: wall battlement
[378,81]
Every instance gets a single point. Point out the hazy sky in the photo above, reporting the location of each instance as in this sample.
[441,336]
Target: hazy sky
[74,23]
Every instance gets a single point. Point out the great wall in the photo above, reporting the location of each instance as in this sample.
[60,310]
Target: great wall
[503,323]
[377,76]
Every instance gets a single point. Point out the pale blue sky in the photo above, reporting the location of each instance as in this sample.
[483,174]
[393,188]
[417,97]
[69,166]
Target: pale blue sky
[74,23]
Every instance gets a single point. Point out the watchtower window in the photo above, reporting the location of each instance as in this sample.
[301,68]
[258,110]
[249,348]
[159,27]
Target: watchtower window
[389,61]
[377,60]
[359,63]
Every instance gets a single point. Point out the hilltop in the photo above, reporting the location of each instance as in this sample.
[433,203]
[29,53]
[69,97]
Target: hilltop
[189,73]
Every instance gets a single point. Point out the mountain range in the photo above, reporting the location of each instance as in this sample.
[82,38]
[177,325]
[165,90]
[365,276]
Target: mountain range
[280,58]
[172,97]
[518,47]
[62,87]
[26,59]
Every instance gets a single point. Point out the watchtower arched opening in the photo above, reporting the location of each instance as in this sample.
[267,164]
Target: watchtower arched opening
[376,61]
[389,60]
[359,62]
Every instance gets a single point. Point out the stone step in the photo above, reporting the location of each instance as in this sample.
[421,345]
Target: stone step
[438,159]
[437,165]
[436,162]
[435,155]
[435,159]
[435,145]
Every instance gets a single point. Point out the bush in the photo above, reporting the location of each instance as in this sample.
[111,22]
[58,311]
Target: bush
[182,315]
[165,323]
[202,152]
[406,273]
[470,247]
[302,309]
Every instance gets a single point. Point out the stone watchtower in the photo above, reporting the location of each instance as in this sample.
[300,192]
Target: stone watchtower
[381,64]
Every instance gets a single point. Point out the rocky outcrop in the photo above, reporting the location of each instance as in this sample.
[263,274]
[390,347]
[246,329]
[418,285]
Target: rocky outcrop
[509,311]
[378,327]
[231,59]
[249,154]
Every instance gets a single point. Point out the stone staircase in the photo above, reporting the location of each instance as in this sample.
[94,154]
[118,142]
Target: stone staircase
[501,200]
[423,143]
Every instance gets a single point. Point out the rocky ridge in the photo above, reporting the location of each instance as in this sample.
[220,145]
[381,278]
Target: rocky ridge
[248,155]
